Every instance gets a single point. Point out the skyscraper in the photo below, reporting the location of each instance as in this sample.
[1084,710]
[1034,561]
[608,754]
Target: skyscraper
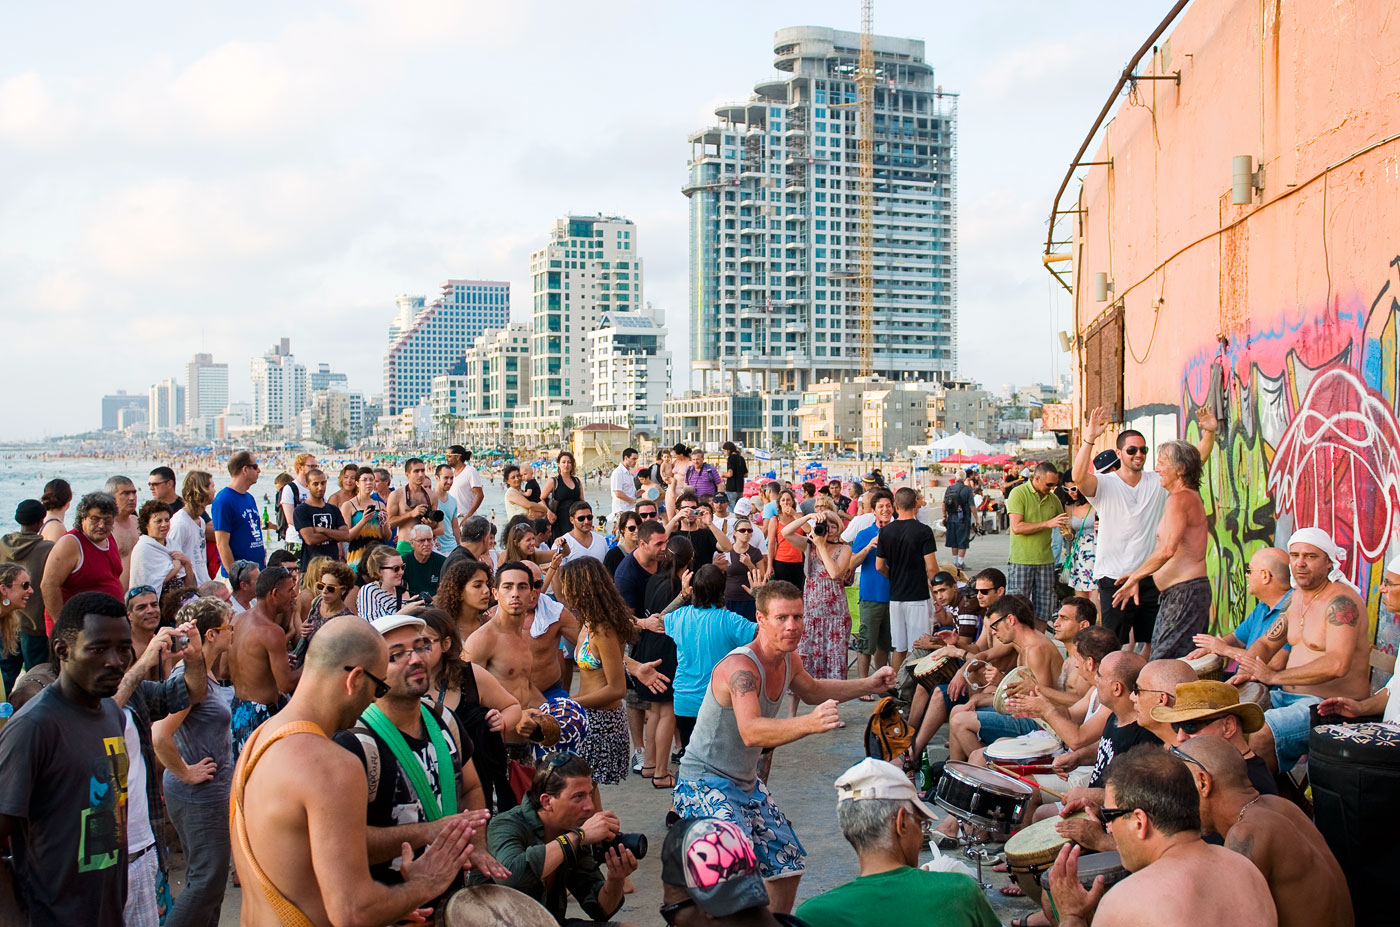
[589,269]
[426,340]
[121,401]
[279,386]
[206,394]
[630,371]
[773,194]
[325,378]
[166,404]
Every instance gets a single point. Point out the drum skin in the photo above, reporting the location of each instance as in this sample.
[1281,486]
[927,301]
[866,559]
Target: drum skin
[1091,866]
[1016,675]
[1032,851]
[1208,666]
[932,673]
[1034,749]
[1355,774]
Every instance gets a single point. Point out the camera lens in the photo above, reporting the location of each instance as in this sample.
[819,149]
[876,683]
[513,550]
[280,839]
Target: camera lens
[637,843]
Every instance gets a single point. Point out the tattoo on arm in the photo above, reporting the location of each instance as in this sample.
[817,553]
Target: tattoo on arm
[1243,844]
[1280,629]
[1342,611]
[742,682]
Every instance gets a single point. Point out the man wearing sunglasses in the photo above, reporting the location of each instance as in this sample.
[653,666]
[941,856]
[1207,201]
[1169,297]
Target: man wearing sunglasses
[1129,501]
[1153,813]
[1208,708]
[581,540]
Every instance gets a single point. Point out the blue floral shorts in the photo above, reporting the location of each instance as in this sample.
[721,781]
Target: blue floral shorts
[779,852]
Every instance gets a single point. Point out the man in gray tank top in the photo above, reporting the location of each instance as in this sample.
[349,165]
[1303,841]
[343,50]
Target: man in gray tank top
[739,720]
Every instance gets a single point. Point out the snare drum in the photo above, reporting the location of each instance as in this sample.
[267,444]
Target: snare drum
[1032,851]
[495,904]
[932,672]
[1091,866]
[1208,666]
[984,798]
[1037,748]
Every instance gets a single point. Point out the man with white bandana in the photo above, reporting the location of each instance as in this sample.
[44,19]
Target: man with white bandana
[1328,631]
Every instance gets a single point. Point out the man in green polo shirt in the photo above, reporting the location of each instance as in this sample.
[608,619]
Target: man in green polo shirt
[1035,511]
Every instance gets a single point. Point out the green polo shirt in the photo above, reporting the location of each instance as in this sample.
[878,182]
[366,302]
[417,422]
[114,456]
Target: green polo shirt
[516,839]
[1032,549]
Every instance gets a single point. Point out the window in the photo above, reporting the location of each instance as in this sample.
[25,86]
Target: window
[1103,364]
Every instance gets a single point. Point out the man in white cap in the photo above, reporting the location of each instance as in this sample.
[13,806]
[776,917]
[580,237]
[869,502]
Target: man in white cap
[885,822]
[1328,631]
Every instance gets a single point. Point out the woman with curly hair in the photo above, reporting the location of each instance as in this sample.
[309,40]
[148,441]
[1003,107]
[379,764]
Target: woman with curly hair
[333,583]
[605,628]
[152,562]
[465,594]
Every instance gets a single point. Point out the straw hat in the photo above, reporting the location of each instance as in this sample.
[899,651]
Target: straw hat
[1208,700]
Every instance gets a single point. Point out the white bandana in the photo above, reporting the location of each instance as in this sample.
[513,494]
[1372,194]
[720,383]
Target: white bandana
[1318,538]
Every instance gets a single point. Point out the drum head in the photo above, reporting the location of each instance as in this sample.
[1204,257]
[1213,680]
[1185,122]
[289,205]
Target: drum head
[495,904]
[1038,844]
[1035,745]
[1017,674]
[988,779]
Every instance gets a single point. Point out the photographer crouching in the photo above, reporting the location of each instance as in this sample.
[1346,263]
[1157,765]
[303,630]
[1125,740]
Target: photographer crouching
[555,843]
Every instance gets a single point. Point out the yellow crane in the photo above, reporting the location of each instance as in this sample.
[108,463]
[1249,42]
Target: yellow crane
[865,161]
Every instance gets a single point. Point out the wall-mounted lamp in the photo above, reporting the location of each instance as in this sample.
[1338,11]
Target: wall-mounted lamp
[1102,286]
[1245,181]
[1064,342]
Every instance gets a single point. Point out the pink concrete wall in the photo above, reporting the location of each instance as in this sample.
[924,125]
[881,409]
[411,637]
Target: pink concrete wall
[1283,312]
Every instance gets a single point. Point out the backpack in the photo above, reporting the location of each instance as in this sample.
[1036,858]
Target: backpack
[887,736]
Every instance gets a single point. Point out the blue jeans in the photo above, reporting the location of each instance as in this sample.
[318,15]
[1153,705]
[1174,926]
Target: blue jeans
[203,830]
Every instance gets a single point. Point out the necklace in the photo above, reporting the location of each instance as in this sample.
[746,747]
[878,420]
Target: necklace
[1240,816]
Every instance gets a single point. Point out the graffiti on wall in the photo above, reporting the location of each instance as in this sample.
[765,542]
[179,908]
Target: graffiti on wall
[1309,438]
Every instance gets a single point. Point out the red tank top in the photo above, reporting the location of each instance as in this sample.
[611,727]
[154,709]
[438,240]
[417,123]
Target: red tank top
[100,570]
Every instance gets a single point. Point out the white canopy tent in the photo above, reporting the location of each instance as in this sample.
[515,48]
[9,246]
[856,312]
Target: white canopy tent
[961,443]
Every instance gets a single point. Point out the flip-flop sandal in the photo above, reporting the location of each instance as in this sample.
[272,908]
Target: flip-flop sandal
[669,785]
[1012,890]
[1023,921]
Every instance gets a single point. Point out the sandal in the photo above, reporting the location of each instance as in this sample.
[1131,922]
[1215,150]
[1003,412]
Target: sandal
[867,698]
[645,774]
[668,785]
[1025,920]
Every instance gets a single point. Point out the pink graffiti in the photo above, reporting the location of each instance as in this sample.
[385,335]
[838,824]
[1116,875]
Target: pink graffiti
[1337,466]
[715,856]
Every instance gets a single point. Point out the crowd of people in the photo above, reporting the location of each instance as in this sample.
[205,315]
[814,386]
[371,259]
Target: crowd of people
[471,687]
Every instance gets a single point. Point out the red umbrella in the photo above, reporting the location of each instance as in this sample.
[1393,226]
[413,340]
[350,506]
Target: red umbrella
[955,459]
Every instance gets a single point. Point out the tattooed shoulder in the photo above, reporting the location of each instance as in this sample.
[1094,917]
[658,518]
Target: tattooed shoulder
[742,682]
[1343,611]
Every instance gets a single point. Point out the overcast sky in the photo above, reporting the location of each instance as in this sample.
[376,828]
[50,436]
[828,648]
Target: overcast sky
[178,178]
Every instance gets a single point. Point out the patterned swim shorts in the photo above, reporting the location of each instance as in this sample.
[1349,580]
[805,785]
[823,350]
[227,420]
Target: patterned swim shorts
[573,727]
[779,852]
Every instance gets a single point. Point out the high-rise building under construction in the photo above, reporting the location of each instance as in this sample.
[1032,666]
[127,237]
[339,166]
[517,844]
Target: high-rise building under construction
[774,214]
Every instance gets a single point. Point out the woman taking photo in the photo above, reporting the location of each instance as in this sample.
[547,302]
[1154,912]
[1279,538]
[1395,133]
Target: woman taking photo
[382,593]
[152,563]
[562,491]
[58,495]
[827,634]
[628,523]
[745,569]
[605,628]
[704,632]
[786,556]
[465,594]
[369,523]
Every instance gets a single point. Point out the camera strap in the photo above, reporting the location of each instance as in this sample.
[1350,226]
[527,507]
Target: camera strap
[412,767]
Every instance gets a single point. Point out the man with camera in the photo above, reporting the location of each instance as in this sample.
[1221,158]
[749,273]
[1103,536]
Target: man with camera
[697,524]
[555,842]
[414,504]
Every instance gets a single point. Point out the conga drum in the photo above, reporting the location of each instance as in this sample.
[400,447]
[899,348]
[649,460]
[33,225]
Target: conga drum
[1037,748]
[1208,666]
[1355,775]
[1091,866]
[494,904]
[1032,850]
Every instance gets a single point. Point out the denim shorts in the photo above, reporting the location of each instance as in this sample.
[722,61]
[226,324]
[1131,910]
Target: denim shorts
[1290,720]
[995,726]
[779,852]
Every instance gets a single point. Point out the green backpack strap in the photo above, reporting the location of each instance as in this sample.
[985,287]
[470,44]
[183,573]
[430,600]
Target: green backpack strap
[412,767]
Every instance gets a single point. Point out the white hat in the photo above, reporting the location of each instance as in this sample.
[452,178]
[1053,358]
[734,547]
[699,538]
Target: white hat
[743,507]
[872,778]
[386,623]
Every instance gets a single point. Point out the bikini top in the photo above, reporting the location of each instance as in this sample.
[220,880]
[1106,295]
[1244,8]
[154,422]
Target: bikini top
[584,655]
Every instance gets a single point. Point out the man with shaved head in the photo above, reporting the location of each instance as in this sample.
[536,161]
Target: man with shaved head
[1156,686]
[1307,884]
[1266,578]
[292,837]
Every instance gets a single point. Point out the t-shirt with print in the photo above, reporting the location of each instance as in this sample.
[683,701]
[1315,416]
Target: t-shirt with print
[237,513]
[1116,741]
[393,802]
[63,773]
[307,515]
[903,545]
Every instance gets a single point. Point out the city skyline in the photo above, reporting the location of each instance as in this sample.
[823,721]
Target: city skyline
[282,171]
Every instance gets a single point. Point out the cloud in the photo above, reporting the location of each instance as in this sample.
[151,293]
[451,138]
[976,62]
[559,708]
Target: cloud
[30,116]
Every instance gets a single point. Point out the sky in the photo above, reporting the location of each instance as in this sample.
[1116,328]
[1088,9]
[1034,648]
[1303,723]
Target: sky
[178,178]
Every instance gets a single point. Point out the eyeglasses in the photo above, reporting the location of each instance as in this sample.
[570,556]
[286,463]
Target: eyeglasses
[141,590]
[26,585]
[1171,696]
[988,591]
[381,688]
[422,647]
[993,625]
[108,520]
[1110,815]
[645,516]
[1192,728]
[669,911]
[1187,758]
[156,484]
[583,518]
[1135,449]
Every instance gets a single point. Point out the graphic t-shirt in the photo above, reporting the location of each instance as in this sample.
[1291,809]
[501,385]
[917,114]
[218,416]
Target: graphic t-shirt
[237,513]
[63,772]
[307,515]
[903,545]
[1116,741]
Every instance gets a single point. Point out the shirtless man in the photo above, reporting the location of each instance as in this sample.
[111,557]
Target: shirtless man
[1013,623]
[125,530]
[307,849]
[257,656]
[503,645]
[1308,885]
[1328,632]
[412,503]
[1178,880]
[1178,563]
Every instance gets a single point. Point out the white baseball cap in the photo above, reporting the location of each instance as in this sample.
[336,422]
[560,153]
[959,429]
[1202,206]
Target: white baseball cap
[387,623]
[744,506]
[872,778]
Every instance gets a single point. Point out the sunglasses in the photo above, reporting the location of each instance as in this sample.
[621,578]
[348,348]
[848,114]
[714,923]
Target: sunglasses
[240,569]
[631,528]
[646,516]
[583,518]
[327,587]
[987,591]
[381,688]
[1135,449]
[1188,759]
[140,590]
[26,585]
[392,569]
[1110,815]
[1192,728]
[1171,696]
[743,531]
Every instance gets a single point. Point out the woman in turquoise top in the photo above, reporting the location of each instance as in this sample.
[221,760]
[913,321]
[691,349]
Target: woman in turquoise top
[605,624]
[704,632]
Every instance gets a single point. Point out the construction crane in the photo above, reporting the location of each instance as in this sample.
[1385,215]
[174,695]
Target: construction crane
[865,161]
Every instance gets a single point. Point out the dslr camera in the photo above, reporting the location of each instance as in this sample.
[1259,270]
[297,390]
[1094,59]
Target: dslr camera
[820,528]
[637,843]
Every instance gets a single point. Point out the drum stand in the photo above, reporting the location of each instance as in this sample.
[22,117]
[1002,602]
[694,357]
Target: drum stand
[974,841]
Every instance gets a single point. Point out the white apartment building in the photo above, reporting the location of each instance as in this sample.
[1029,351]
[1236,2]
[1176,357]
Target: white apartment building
[773,191]
[631,371]
[166,406]
[481,400]
[337,416]
[279,387]
[426,340]
[206,394]
[589,268]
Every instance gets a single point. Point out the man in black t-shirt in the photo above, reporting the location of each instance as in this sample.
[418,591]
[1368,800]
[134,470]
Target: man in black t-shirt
[736,471]
[321,526]
[695,522]
[63,766]
[638,567]
[906,553]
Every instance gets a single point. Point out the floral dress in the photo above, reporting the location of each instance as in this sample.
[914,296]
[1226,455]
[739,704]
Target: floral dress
[1083,542]
[826,639]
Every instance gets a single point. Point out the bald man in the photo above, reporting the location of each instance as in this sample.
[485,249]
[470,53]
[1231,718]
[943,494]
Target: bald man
[1156,686]
[1266,578]
[1307,884]
[292,837]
